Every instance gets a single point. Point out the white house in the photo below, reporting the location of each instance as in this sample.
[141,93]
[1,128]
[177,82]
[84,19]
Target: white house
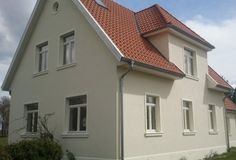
[121,84]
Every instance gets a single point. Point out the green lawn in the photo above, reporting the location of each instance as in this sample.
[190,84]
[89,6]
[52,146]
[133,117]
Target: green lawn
[225,156]
[3,141]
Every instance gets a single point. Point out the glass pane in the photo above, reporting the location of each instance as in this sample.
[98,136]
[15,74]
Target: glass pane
[73,119]
[40,62]
[184,116]
[186,64]
[29,122]
[66,54]
[191,66]
[72,51]
[83,115]
[153,117]
[32,107]
[212,120]
[151,99]
[45,61]
[188,119]
[78,100]
[35,126]
[148,123]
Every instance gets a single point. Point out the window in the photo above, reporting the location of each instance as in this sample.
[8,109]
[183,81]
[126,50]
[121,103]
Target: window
[42,55]
[77,110]
[189,62]
[188,116]
[152,114]
[68,55]
[31,118]
[212,118]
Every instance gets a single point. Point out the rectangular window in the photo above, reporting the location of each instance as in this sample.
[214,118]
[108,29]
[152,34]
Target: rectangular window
[229,126]
[68,55]
[31,118]
[189,59]
[188,116]
[77,109]
[152,114]
[42,57]
[212,118]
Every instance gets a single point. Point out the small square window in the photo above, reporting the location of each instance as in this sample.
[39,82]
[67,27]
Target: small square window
[31,118]
[77,113]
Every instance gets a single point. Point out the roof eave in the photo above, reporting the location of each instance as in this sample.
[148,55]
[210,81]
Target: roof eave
[149,68]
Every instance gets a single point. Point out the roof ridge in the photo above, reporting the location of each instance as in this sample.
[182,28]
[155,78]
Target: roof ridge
[163,9]
[158,7]
[145,9]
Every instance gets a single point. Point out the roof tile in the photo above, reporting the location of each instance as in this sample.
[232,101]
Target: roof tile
[121,26]
[230,105]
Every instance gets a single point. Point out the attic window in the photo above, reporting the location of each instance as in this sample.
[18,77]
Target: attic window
[101,3]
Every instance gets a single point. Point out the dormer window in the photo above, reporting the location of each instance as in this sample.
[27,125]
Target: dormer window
[189,63]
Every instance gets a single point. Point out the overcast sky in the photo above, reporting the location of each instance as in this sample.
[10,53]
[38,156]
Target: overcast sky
[215,20]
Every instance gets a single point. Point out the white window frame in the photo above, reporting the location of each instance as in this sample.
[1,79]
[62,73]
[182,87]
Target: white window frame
[190,130]
[26,117]
[68,40]
[79,106]
[158,130]
[190,69]
[212,120]
[42,50]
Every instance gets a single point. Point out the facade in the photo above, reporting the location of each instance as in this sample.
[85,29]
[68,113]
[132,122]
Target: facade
[119,84]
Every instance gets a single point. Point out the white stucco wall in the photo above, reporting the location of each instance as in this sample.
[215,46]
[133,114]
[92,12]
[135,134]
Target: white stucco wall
[173,144]
[94,75]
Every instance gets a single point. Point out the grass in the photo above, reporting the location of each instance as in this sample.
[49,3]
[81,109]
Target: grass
[226,156]
[3,141]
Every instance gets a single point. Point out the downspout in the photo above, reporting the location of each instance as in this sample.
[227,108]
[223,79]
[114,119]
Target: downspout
[121,85]
[226,126]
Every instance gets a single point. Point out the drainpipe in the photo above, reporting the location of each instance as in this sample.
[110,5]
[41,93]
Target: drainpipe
[121,85]
[226,126]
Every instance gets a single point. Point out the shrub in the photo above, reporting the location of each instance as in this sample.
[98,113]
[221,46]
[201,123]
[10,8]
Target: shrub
[4,155]
[37,149]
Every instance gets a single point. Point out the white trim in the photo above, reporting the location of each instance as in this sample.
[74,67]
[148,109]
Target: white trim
[89,158]
[40,73]
[62,67]
[101,33]
[75,135]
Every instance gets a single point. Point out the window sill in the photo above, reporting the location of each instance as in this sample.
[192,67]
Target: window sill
[75,135]
[189,133]
[29,135]
[192,77]
[66,66]
[40,73]
[154,134]
[213,133]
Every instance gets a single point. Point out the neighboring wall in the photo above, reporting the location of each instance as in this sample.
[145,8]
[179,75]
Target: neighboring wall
[94,75]
[232,127]
[172,144]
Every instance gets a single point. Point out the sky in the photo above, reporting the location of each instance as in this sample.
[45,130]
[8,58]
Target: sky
[214,20]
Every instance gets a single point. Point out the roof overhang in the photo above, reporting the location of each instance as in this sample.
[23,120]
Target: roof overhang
[142,67]
[183,35]
[213,85]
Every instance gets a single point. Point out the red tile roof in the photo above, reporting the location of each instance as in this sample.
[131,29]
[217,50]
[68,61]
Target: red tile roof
[156,18]
[220,81]
[230,105]
[121,26]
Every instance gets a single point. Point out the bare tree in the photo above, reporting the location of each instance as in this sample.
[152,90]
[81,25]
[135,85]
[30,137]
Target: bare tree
[4,113]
